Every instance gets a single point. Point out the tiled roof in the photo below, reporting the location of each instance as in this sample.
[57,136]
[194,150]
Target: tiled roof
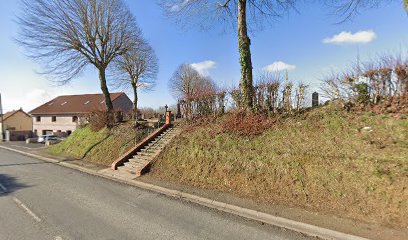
[75,104]
[11,113]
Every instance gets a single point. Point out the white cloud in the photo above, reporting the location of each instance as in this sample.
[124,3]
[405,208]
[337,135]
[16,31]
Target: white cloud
[279,66]
[28,101]
[204,67]
[36,94]
[348,37]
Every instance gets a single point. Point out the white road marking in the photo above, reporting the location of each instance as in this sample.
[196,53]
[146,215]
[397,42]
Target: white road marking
[26,209]
[58,238]
[2,187]
[29,148]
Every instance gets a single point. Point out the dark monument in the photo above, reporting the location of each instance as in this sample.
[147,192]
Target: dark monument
[315,99]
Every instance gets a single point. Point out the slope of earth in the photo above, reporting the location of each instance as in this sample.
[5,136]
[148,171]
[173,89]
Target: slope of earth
[327,160]
[101,147]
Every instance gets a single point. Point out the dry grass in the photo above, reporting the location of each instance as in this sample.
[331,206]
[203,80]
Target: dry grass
[322,160]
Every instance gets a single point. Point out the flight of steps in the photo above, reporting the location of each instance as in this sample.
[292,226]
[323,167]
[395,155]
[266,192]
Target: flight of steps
[140,162]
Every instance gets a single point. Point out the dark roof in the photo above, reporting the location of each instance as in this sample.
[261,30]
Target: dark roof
[73,104]
[11,113]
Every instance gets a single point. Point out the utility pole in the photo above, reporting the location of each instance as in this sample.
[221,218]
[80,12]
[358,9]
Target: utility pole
[1,120]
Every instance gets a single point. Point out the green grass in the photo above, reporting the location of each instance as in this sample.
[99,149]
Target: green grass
[78,143]
[320,161]
[102,147]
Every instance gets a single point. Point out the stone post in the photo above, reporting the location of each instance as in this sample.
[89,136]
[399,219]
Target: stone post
[168,117]
[315,99]
[178,109]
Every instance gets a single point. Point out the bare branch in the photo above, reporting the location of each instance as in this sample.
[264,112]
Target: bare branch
[65,36]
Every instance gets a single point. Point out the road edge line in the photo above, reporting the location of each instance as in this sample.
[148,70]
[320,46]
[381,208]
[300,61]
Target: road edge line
[308,229]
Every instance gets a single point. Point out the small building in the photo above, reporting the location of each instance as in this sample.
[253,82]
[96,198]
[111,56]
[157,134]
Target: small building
[16,125]
[64,114]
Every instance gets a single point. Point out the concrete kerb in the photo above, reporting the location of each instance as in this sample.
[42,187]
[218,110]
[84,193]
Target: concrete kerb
[304,228]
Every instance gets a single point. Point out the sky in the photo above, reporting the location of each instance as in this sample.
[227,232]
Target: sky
[307,43]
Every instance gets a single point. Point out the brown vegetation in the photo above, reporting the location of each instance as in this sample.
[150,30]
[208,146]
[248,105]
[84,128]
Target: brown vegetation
[247,124]
[326,160]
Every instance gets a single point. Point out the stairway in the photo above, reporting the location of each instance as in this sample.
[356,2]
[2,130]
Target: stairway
[141,161]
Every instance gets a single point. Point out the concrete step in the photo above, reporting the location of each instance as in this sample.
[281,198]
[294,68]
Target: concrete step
[156,146]
[127,171]
[135,165]
[155,149]
[148,150]
[155,143]
[140,160]
[159,143]
[162,138]
[143,158]
[143,154]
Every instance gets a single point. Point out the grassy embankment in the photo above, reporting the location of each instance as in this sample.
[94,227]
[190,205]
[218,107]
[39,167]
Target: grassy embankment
[101,147]
[323,161]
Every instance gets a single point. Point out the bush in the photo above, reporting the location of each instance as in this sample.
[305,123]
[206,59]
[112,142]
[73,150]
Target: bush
[100,119]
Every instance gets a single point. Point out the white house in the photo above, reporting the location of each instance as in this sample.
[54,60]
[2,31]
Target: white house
[63,113]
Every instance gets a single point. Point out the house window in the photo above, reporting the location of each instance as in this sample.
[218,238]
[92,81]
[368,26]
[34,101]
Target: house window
[38,119]
[74,119]
[53,119]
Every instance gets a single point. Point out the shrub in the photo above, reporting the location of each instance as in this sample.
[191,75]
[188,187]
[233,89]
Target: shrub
[99,119]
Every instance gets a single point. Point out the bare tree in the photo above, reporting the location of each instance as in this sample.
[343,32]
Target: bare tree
[188,86]
[136,69]
[65,36]
[185,81]
[241,13]
[346,9]
[270,83]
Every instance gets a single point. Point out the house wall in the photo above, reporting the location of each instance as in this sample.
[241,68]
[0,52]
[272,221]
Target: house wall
[123,103]
[62,123]
[18,122]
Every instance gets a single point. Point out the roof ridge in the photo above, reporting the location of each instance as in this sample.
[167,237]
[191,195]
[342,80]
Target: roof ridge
[76,103]
[87,94]
[11,113]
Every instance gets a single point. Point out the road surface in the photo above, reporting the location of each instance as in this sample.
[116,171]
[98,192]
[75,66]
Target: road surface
[40,200]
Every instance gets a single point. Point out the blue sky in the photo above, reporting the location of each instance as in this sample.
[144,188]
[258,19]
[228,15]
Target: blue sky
[295,40]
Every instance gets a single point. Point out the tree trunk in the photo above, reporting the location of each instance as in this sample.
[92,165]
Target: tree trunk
[105,91]
[245,55]
[134,87]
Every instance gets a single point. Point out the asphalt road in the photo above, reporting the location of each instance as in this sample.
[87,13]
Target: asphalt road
[42,201]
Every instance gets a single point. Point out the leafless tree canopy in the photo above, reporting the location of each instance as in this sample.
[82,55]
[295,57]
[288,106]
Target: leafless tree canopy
[206,13]
[346,9]
[371,82]
[65,36]
[187,83]
[242,14]
[136,69]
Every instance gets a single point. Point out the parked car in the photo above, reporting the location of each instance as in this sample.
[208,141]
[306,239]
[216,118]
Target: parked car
[45,138]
